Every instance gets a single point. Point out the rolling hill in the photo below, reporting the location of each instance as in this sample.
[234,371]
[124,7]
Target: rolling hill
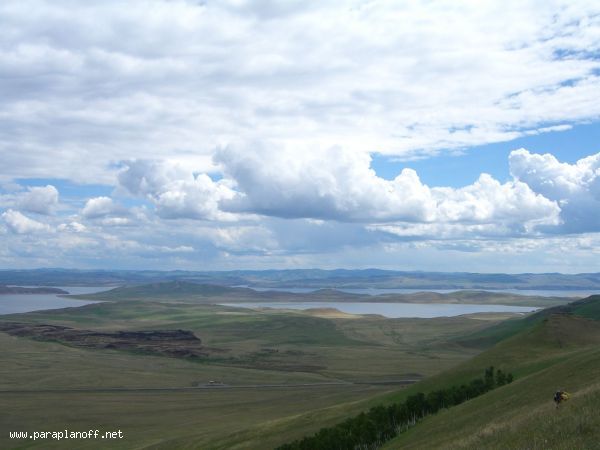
[557,349]
[188,292]
[560,351]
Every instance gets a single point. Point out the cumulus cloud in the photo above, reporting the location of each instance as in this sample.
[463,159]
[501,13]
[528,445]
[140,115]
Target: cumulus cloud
[89,84]
[175,190]
[575,187]
[73,227]
[98,207]
[489,201]
[340,185]
[21,224]
[335,184]
[104,211]
[102,83]
[41,200]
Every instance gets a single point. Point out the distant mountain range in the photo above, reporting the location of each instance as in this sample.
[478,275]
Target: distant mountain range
[306,278]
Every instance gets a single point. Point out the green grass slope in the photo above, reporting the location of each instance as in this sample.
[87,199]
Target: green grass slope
[559,353]
[552,351]
[588,307]
[559,350]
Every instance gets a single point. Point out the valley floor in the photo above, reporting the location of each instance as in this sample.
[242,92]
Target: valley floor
[323,361]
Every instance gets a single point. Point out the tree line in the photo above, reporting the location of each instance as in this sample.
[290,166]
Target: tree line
[369,430]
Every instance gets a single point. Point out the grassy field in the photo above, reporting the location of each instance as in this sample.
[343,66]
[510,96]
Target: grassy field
[262,347]
[559,353]
[197,419]
[289,343]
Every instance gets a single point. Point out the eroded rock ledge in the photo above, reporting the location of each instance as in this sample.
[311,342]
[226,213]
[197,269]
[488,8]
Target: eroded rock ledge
[174,343]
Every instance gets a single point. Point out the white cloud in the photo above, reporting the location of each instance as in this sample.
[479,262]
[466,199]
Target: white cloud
[245,239]
[143,177]
[576,187]
[116,221]
[91,83]
[73,227]
[104,211]
[340,185]
[288,202]
[488,201]
[36,199]
[176,191]
[21,224]
[98,207]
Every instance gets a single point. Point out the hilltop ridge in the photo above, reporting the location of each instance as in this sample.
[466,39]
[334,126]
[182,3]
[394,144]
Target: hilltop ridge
[189,292]
[310,278]
[559,350]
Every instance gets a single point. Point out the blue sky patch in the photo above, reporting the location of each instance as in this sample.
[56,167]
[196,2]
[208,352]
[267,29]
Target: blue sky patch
[449,169]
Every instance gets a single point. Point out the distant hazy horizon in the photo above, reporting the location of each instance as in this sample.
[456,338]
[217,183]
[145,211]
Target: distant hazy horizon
[290,269]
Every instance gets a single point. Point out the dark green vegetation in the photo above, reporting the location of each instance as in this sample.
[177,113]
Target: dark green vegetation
[382,423]
[30,290]
[313,278]
[186,292]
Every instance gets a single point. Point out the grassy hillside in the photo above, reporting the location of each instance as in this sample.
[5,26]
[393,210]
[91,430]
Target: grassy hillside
[588,307]
[559,351]
[286,341]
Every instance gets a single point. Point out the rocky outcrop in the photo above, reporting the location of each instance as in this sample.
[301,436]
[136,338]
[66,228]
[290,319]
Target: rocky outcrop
[174,343]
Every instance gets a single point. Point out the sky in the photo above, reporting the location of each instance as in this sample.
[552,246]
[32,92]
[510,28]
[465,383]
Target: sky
[234,134]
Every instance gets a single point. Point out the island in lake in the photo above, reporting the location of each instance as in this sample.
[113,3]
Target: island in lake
[30,290]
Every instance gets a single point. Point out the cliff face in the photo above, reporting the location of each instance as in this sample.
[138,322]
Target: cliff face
[175,343]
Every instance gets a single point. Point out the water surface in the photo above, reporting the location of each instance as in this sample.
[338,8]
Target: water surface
[392,310]
[21,303]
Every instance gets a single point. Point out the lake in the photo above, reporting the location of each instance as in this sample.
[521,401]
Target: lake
[21,303]
[393,310]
